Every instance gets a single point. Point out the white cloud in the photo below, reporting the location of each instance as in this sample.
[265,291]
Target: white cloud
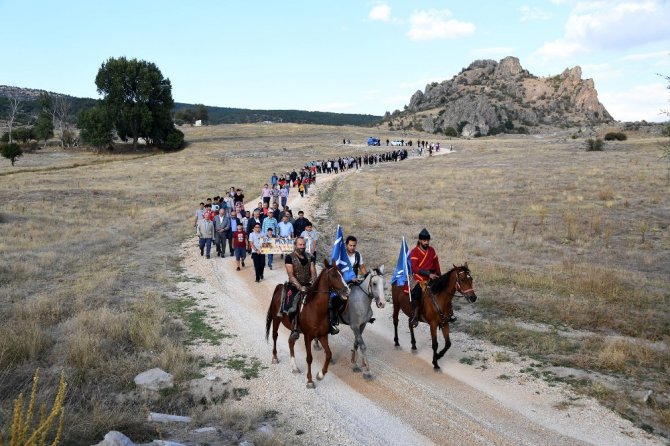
[433,24]
[641,102]
[381,12]
[532,13]
[610,26]
[494,52]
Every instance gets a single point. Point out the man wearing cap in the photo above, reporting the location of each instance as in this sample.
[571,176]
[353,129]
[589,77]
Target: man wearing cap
[426,267]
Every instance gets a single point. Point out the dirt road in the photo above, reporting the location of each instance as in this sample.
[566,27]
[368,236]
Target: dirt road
[406,403]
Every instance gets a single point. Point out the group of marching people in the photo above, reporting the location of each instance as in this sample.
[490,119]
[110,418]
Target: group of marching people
[224,222]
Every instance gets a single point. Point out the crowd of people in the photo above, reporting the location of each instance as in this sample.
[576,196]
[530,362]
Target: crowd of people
[224,222]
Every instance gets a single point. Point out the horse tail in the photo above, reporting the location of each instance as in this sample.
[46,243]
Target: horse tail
[270,315]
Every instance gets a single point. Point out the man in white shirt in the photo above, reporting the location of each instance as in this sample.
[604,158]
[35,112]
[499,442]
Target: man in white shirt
[355,257]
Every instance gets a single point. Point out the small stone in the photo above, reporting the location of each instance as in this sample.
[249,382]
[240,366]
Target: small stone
[266,429]
[167,443]
[165,418]
[299,432]
[205,430]
[154,379]
[115,438]
[212,377]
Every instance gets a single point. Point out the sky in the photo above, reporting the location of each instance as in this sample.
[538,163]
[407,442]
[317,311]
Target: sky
[346,56]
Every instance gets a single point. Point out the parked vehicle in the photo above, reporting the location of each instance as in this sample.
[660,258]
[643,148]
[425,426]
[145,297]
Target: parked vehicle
[374,141]
[396,142]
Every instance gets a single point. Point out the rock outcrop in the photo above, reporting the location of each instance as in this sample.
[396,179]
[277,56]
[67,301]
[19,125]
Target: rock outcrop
[490,97]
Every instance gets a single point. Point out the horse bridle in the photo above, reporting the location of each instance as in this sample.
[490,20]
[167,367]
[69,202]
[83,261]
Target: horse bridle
[339,292]
[459,286]
[368,293]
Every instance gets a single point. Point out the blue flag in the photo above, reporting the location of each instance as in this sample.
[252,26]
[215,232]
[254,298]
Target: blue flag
[339,256]
[403,268]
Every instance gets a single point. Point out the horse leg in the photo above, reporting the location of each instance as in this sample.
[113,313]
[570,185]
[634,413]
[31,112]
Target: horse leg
[433,337]
[275,335]
[364,355]
[291,345]
[396,310]
[411,333]
[447,341]
[355,367]
[329,355]
[308,349]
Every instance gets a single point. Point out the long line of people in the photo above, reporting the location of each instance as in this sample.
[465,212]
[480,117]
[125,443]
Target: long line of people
[224,222]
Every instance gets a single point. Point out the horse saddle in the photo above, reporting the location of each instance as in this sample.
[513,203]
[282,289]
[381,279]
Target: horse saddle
[289,299]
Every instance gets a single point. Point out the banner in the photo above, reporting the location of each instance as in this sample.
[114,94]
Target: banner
[276,245]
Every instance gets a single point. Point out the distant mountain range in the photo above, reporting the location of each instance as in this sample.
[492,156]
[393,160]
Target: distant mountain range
[490,97]
[217,115]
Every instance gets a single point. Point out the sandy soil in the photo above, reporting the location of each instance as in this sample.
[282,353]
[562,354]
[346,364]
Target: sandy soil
[406,402]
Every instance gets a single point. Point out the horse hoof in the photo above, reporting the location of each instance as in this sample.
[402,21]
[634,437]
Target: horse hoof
[310,385]
[397,344]
[356,369]
[367,375]
[319,376]
[414,347]
[296,371]
[317,347]
[275,361]
[436,368]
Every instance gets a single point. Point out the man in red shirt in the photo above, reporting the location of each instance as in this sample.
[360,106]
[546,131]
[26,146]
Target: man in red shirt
[240,240]
[425,267]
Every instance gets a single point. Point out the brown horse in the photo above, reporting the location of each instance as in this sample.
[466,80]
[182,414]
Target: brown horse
[435,305]
[312,319]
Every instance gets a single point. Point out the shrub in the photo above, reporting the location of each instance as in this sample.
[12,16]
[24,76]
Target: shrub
[594,145]
[11,152]
[615,136]
[450,131]
[174,140]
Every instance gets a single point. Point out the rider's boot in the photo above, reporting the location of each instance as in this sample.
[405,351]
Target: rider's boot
[332,316]
[295,329]
[414,320]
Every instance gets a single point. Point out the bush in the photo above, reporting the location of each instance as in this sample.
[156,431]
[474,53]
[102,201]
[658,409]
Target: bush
[451,132]
[11,152]
[594,145]
[615,136]
[174,140]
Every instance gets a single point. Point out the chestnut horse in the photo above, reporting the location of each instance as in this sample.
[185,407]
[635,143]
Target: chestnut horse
[435,306]
[312,318]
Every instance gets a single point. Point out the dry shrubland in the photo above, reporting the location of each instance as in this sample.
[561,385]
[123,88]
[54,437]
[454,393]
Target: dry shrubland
[555,236]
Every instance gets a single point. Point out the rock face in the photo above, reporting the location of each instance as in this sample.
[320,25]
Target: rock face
[490,97]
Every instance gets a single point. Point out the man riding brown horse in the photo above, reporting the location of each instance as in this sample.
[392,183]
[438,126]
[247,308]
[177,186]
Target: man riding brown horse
[301,270]
[425,267]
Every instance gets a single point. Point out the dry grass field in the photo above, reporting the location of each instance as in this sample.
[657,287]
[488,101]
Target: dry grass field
[570,252]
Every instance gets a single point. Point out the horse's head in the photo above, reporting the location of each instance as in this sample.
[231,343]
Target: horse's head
[376,286]
[335,280]
[464,282]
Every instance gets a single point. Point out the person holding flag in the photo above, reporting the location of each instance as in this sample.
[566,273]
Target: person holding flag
[425,267]
[339,256]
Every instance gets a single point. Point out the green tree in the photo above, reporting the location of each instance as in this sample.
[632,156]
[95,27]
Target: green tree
[44,127]
[97,128]
[186,115]
[450,131]
[201,113]
[11,151]
[137,98]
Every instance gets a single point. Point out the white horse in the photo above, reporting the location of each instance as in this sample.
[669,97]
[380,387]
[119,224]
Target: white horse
[358,313]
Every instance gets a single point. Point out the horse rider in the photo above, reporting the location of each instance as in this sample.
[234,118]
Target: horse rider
[425,267]
[301,270]
[359,267]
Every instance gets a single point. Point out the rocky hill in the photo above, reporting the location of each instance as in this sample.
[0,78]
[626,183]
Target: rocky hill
[490,97]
